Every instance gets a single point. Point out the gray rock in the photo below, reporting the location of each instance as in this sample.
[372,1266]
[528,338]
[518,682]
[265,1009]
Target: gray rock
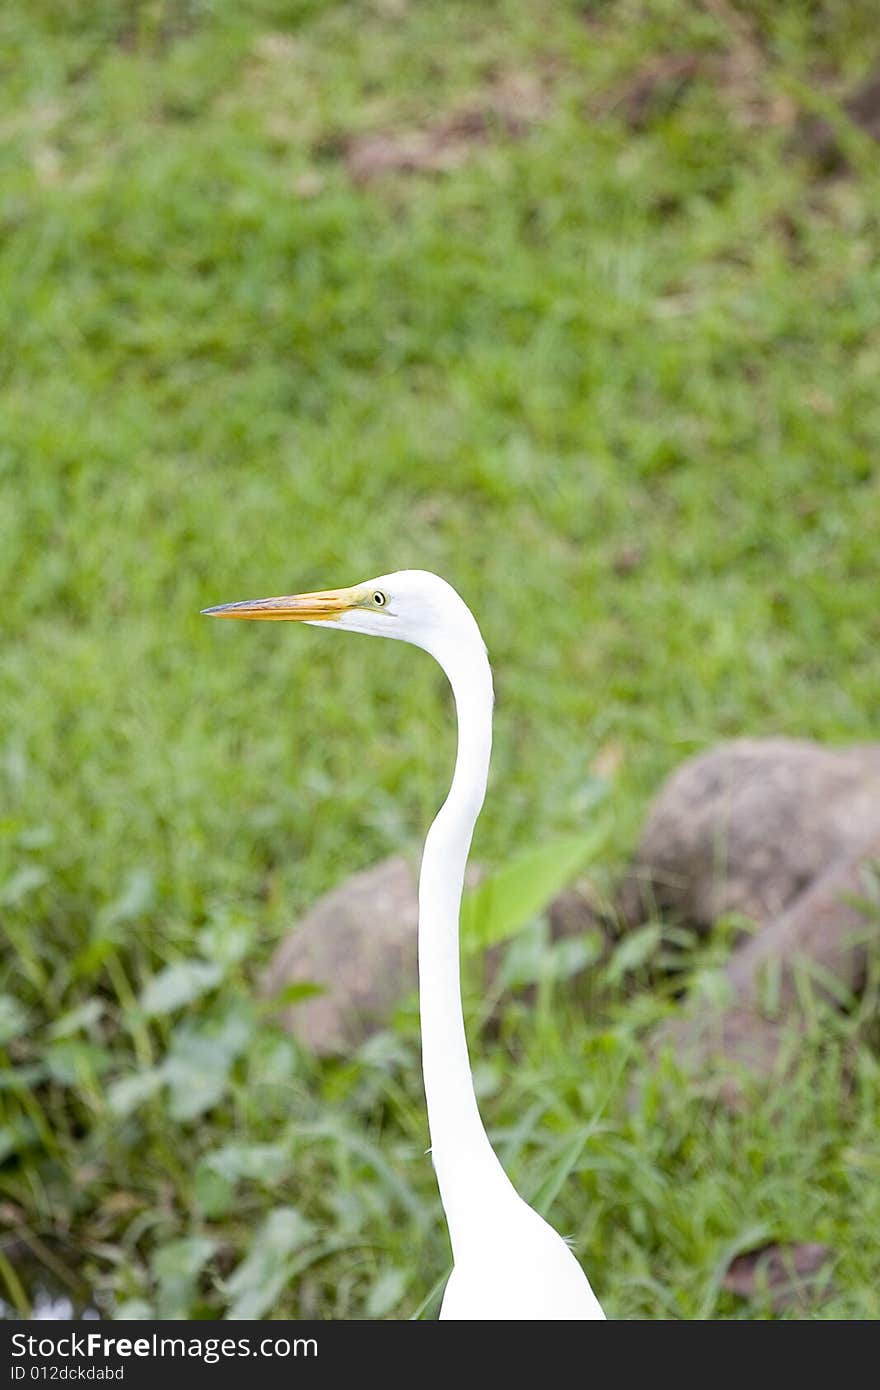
[781,831]
[821,940]
[359,943]
[786,1276]
[823,935]
[748,826]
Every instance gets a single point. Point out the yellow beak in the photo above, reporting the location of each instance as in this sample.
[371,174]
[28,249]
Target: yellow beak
[291,608]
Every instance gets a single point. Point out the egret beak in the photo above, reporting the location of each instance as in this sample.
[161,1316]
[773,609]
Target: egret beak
[324,606]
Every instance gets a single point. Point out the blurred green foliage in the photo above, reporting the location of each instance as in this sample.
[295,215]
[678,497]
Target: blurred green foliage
[617,380]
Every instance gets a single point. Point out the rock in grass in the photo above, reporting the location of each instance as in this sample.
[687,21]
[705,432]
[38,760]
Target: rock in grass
[787,1276]
[822,938]
[819,944]
[748,826]
[785,832]
[358,943]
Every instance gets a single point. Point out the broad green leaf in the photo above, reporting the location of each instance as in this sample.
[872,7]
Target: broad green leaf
[227,940]
[176,1268]
[13,1019]
[126,1094]
[37,837]
[16,1137]
[135,1310]
[533,958]
[19,885]
[197,1072]
[386,1051]
[234,1029]
[76,1062]
[77,1019]
[134,900]
[488,1079]
[296,993]
[260,1162]
[179,984]
[21,1078]
[255,1285]
[525,957]
[634,950]
[710,988]
[200,1059]
[272,1060]
[213,1193]
[218,1173]
[89,961]
[573,954]
[387,1292]
[509,899]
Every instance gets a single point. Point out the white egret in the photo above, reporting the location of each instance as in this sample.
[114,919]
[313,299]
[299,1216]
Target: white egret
[508,1262]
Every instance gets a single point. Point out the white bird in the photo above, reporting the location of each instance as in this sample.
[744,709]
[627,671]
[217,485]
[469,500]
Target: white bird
[509,1264]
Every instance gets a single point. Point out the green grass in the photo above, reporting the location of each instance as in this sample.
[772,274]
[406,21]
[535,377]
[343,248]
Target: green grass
[620,388]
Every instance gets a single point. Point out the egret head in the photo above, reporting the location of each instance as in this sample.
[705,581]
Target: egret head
[411,605]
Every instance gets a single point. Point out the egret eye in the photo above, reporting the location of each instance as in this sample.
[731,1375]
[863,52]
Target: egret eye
[379,599]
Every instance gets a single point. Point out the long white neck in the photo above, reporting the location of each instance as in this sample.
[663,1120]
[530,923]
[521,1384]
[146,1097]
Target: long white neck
[472,1182]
